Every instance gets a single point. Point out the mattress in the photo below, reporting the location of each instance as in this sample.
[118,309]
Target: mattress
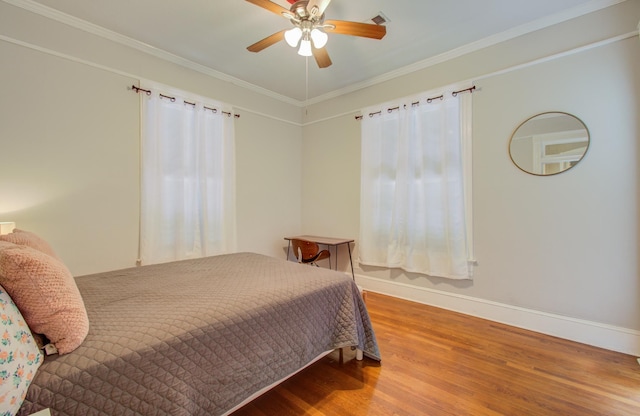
[197,337]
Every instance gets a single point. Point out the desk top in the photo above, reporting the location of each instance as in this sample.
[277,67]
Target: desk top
[322,240]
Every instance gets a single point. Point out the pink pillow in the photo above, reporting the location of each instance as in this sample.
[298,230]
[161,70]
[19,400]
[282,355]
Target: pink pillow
[46,293]
[29,239]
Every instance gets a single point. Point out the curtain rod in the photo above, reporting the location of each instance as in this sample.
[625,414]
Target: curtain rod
[413,104]
[214,110]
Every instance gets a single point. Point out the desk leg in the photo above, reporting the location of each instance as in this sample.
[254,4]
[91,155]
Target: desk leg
[351,262]
[288,248]
[335,249]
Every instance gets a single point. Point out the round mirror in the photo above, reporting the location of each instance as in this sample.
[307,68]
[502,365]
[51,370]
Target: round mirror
[549,143]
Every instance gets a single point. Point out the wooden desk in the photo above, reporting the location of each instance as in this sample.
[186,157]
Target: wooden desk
[326,241]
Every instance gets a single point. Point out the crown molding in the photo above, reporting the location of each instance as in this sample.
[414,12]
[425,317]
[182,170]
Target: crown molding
[515,32]
[74,22]
[83,25]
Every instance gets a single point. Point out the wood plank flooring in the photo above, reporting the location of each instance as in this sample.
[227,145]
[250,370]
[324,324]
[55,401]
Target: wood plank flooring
[437,362]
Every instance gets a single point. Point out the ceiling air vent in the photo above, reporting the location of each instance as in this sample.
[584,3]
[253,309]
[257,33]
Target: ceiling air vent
[380,19]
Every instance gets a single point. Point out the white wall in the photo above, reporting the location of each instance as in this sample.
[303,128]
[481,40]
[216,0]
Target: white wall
[564,246]
[269,183]
[69,144]
[69,158]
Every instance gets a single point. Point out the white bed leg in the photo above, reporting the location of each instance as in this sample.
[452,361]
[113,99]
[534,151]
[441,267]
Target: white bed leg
[359,355]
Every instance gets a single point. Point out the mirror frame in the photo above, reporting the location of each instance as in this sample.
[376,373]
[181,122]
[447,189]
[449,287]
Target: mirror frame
[588,141]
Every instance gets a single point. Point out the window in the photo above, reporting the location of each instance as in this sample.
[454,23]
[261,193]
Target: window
[187,178]
[415,204]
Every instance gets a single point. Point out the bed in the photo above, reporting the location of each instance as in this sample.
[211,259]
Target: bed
[199,337]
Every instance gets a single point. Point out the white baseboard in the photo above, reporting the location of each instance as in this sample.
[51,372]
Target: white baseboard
[592,333]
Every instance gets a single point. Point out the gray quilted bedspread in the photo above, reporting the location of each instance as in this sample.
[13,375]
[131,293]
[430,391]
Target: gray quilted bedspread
[198,337]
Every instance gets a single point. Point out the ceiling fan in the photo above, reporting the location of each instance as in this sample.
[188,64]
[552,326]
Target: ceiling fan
[310,27]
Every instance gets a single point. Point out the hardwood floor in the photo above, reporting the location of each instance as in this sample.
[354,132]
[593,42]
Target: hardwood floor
[436,362]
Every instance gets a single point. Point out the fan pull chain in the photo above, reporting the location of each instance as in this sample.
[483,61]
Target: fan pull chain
[306,84]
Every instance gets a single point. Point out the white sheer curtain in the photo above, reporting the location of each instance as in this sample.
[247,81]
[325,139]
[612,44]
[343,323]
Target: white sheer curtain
[415,204]
[187,176]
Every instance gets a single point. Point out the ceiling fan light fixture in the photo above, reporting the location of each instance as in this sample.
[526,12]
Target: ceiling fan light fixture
[292,36]
[309,34]
[319,38]
[305,48]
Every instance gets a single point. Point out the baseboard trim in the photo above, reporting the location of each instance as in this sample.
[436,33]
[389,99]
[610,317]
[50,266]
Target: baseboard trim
[609,337]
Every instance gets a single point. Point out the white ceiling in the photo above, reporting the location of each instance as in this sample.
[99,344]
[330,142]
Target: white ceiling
[215,34]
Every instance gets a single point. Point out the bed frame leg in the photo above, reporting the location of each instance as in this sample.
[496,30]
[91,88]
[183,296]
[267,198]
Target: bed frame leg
[359,354]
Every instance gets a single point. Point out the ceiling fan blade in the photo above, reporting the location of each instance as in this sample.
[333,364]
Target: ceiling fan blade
[271,6]
[320,4]
[365,30]
[322,57]
[266,42]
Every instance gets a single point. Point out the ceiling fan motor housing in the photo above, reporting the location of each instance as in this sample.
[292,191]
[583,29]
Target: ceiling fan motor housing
[300,13]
